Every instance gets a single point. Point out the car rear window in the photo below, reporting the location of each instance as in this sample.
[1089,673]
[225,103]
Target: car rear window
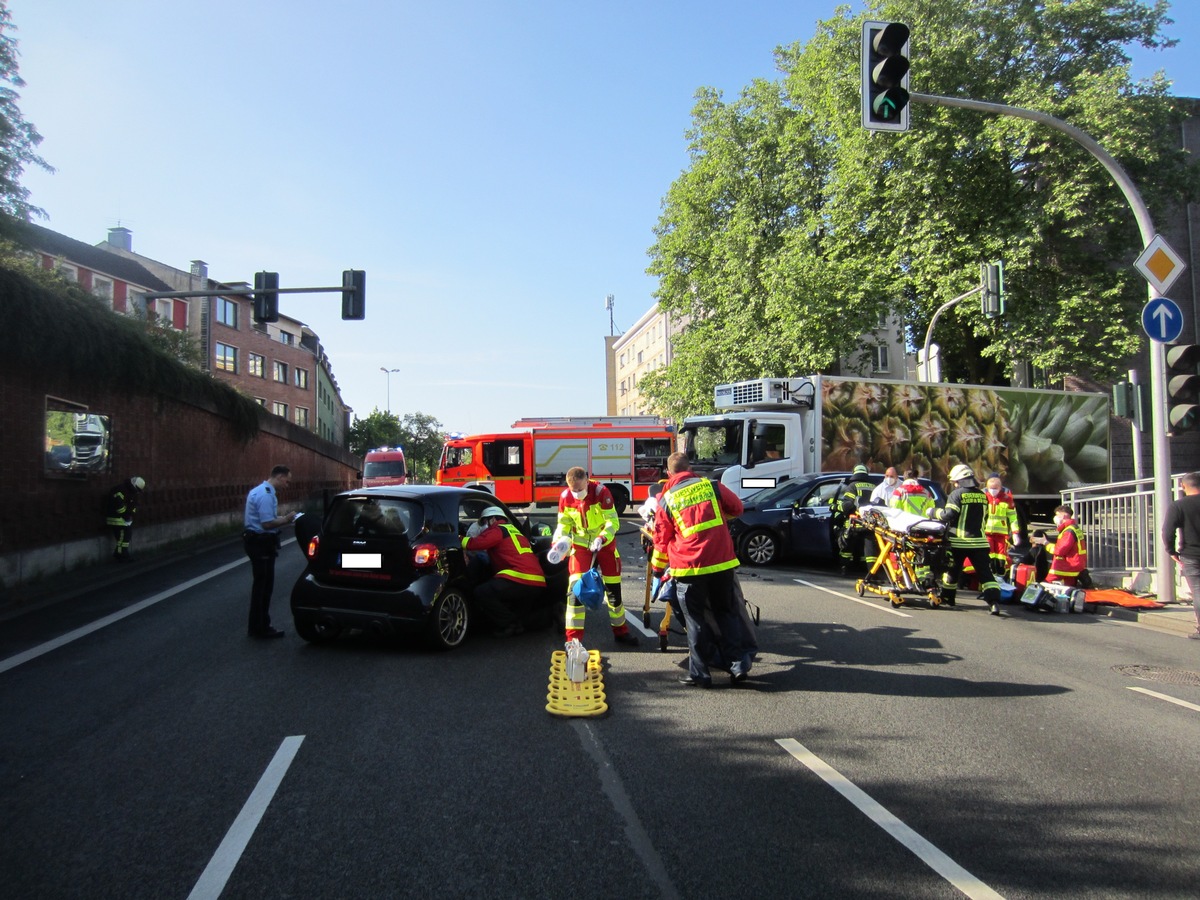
[374,517]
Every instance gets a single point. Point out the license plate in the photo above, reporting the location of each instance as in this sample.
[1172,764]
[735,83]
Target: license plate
[362,560]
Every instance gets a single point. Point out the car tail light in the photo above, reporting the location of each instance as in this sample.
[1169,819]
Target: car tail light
[313,546]
[425,555]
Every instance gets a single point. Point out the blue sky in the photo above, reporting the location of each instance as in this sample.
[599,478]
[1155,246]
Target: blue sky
[496,168]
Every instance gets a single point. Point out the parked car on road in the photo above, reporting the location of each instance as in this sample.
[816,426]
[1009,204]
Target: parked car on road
[390,560]
[792,519]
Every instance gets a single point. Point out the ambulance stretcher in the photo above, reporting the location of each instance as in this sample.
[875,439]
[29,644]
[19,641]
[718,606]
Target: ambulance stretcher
[911,553]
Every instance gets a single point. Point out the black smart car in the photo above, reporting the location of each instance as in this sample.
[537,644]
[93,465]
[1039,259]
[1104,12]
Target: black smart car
[389,560]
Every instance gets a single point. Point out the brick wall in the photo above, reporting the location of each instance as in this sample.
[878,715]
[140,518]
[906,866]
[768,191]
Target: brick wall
[197,471]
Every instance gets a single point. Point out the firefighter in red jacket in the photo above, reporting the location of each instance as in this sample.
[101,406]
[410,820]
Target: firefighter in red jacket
[1069,556]
[691,529]
[518,583]
[587,517]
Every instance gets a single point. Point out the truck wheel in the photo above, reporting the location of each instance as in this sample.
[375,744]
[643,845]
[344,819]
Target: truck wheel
[620,497]
[760,548]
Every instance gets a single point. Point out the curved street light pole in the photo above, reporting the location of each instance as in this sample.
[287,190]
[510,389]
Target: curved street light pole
[388,373]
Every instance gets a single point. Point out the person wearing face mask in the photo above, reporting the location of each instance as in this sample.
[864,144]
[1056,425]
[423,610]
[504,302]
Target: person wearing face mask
[588,518]
[964,514]
[1069,556]
[884,490]
[910,495]
[1001,524]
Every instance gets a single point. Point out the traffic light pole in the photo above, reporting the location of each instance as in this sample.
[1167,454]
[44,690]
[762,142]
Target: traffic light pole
[1164,571]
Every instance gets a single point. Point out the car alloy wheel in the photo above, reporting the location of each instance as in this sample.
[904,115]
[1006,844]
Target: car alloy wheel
[760,548]
[449,618]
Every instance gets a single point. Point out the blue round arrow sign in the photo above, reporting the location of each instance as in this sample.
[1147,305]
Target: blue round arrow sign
[1162,320]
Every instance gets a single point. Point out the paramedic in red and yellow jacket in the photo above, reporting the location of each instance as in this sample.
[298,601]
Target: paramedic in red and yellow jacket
[517,582]
[691,529]
[587,517]
[1069,556]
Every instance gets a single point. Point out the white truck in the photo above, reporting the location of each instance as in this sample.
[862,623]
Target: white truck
[769,430]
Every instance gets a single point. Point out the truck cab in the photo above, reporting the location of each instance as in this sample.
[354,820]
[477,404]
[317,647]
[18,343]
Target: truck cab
[759,440]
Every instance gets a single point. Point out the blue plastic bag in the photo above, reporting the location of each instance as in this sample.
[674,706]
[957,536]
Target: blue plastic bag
[589,589]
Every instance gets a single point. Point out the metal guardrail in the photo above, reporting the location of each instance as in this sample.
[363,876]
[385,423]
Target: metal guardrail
[1119,523]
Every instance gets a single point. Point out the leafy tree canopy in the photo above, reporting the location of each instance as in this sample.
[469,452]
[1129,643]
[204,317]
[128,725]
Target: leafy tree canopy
[18,138]
[419,434]
[794,229]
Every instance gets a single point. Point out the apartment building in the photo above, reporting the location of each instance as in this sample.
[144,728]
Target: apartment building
[282,365]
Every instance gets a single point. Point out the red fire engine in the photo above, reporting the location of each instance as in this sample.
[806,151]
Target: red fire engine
[626,454]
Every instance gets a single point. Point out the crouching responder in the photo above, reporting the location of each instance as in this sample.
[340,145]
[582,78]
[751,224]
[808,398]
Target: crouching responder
[518,585]
[964,514]
[588,518]
[1069,554]
[120,506]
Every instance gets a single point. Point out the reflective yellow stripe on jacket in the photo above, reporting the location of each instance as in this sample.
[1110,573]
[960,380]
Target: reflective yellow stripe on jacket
[694,495]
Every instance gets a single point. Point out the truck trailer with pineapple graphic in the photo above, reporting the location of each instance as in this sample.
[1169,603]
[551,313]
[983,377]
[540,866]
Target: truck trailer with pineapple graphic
[773,429]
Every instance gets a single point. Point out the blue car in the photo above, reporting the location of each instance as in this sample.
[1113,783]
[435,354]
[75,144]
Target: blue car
[792,519]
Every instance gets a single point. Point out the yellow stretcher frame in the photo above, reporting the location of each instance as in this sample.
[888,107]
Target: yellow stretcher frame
[664,627]
[897,559]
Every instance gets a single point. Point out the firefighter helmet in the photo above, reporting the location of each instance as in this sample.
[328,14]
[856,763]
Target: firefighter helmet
[493,511]
[860,469]
[961,472]
[138,482]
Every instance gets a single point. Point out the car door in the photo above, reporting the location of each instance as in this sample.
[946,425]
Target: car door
[810,529]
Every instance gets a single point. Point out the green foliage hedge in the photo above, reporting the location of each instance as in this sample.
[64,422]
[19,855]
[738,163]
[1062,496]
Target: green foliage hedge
[65,329]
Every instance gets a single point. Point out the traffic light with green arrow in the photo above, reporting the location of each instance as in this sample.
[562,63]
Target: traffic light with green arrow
[885,76]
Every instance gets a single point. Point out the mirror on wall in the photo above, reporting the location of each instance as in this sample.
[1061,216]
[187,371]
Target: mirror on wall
[78,441]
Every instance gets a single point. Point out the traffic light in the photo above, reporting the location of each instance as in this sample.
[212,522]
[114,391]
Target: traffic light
[992,279]
[1183,386]
[885,76]
[1132,401]
[266,296]
[354,294]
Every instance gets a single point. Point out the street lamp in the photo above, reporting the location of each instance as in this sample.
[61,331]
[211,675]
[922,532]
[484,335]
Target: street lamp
[388,373]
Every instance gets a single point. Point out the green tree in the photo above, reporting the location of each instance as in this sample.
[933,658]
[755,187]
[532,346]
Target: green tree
[379,429]
[422,437]
[794,229]
[18,138]
[419,434]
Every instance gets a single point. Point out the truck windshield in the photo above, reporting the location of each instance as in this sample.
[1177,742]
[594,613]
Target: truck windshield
[713,443]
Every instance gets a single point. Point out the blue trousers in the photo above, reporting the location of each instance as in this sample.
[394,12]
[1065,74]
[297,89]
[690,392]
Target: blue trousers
[705,597]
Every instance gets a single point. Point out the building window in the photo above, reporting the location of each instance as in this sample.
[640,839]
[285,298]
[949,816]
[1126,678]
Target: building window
[280,409]
[879,358]
[281,372]
[286,337]
[226,358]
[103,288]
[301,416]
[258,365]
[227,312]
[261,401]
[301,378]
[68,271]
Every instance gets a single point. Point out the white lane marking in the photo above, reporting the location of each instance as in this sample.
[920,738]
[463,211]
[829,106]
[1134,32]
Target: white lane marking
[639,839]
[220,867]
[1167,697]
[871,603]
[83,631]
[921,848]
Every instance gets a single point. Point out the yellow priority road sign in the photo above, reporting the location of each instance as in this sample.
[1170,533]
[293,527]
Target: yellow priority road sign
[1159,264]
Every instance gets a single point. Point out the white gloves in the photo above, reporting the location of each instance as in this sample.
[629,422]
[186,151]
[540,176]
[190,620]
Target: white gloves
[597,544]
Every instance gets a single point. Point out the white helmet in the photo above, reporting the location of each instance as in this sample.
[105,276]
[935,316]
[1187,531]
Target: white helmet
[138,482]
[961,472]
[492,511]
